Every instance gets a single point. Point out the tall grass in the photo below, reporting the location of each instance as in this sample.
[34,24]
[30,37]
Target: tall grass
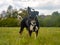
[46,36]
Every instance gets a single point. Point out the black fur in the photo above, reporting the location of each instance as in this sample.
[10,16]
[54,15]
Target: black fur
[26,22]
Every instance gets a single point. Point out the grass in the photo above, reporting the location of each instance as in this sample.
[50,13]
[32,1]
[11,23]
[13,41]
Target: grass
[47,36]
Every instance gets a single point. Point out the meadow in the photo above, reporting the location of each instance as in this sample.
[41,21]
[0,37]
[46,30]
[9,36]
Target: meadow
[46,36]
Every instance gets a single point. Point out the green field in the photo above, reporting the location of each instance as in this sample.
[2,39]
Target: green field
[47,36]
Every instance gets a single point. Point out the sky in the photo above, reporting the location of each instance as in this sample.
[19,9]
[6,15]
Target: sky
[43,6]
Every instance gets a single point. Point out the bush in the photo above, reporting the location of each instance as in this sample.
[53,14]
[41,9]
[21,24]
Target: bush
[9,22]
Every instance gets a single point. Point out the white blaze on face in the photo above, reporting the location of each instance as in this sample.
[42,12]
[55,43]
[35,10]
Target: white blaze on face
[33,22]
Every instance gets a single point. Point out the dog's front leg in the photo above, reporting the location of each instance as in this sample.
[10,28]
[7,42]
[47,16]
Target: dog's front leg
[30,32]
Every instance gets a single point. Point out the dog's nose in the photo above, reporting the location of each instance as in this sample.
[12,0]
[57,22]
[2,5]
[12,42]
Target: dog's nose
[33,22]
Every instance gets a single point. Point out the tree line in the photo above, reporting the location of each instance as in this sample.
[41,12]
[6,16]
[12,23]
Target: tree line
[10,18]
[52,20]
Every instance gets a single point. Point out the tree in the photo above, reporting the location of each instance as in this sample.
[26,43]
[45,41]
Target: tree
[15,13]
[23,13]
[9,11]
[56,13]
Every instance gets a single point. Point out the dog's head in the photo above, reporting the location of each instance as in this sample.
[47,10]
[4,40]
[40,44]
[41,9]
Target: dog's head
[32,20]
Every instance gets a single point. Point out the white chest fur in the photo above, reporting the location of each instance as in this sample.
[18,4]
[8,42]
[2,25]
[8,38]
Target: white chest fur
[31,28]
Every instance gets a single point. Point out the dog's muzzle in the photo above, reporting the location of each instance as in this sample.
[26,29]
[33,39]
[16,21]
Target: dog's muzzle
[33,22]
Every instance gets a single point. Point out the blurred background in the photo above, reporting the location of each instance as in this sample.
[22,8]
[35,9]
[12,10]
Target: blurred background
[13,11]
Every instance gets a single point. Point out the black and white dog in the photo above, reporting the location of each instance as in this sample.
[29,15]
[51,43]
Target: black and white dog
[31,23]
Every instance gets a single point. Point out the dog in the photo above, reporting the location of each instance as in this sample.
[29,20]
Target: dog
[31,24]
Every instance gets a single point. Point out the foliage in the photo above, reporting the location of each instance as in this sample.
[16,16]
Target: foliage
[50,21]
[9,22]
[24,13]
